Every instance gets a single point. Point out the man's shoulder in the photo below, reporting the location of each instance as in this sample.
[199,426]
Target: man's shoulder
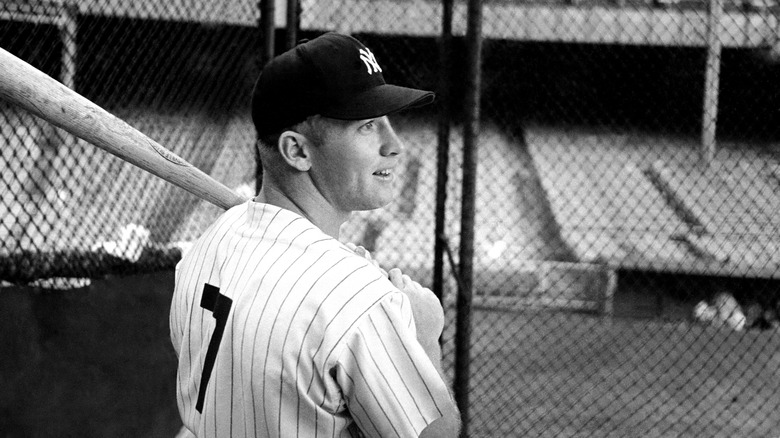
[350,281]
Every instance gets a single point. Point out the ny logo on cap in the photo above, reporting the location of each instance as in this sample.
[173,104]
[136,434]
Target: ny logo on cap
[368,58]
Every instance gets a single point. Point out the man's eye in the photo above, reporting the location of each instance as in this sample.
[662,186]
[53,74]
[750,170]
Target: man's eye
[368,126]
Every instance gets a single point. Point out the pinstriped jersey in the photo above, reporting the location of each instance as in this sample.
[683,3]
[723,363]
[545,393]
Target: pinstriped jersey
[282,331]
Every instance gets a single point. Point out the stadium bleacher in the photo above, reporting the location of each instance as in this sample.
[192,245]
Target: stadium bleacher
[653,205]
[99,193]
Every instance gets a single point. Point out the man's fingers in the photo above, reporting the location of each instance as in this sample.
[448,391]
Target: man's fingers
[396,277]
[426,309]
[359,250]
[362,252]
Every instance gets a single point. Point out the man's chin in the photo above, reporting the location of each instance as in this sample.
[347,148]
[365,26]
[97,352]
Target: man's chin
[375,205]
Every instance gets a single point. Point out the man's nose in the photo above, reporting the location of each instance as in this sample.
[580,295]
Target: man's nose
[391,144]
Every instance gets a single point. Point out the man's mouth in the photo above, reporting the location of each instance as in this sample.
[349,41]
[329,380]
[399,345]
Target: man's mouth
[383,173]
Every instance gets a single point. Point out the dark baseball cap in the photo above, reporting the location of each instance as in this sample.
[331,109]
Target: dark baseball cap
[333,75]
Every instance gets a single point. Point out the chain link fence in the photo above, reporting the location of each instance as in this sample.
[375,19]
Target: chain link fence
[179,72]
[625,234]
[626,250]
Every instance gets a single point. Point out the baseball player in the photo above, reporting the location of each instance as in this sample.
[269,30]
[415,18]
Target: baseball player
[280,329]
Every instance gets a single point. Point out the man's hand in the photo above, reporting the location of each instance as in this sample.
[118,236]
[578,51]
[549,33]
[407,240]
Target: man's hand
[427,311]
[429,320]
[362,252]
[426,308]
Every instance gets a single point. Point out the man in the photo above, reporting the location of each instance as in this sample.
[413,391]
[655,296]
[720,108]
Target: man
[280,329]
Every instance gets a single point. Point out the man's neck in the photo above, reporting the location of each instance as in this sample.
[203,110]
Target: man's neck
[317,211]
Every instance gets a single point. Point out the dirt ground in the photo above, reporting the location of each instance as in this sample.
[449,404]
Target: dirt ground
[559,374]
[89,362]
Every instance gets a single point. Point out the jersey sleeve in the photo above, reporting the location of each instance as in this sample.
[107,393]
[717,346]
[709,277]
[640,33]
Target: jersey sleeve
[391,387]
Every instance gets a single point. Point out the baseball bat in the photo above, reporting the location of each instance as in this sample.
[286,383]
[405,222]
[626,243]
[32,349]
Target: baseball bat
[40,94]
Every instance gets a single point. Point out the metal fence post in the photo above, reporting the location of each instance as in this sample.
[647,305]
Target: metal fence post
[466,253]
[267,28]
[68,28]
[292,23]
[443,151]
[709,121]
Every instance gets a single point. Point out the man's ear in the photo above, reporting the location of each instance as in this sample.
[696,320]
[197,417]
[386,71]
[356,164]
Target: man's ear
[294,149]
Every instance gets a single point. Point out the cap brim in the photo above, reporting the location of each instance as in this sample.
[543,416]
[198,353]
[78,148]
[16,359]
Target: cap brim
[379,101]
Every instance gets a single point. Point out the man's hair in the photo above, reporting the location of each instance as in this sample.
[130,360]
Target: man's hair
[269,140]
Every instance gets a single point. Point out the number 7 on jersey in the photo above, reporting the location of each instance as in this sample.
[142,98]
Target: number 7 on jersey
[219,305]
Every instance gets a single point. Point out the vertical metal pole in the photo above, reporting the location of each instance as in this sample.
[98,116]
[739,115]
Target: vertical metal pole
[267,29]
[711,82]
[466,254]
[292,24]
[443,151]
[32,194]
[68,28]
